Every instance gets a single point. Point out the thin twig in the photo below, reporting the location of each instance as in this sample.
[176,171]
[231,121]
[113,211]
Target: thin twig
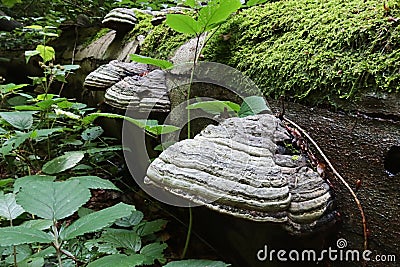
[364,221]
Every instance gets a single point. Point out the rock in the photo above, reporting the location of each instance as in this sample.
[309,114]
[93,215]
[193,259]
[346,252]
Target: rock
[141,93]
[120,19]
[109,74]
[234,168]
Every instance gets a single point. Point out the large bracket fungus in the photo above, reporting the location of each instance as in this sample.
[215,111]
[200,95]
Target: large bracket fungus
[235,168]
[120,19]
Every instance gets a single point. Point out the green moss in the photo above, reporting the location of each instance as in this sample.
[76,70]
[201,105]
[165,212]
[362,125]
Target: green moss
[143,27]
[316,50]
[162,42]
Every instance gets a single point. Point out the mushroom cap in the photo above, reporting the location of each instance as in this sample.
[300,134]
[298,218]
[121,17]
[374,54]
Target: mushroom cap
[109,74]
[120,19]
[234,168]
[142,93]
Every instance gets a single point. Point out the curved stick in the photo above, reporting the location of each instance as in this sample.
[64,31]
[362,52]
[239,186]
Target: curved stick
[364,221]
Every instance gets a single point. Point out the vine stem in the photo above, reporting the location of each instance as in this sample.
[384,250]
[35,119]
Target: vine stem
[189,233]
[364,221]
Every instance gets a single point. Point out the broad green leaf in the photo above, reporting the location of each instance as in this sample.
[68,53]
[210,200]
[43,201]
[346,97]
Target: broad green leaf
[94,182]
[20,120]
[41,133]
[71,67]
[23,251]
[162,129]
[26,107]
[42,97]
[32,262]
[154,252]
[9,208]
[17,100]
[29,54]
[147,228]
[16,235]
[47,53]
[40,224]
[6,88]
[253,105]
[117,260]
[191,3]
[14,142]
[96,221]
[3,131]
[133,219]
[121,238]
[64,162]
[82,211]
[183,24]
[196,263]
[164,64]
[92,133]
[19,182]
[216,12]
[215,107]
[53,200]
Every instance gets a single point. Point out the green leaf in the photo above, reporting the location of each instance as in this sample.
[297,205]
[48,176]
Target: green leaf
[47,53]
[164,64]
[41,133]
[53,200]
[183,24]
[215,107]
[117,260]
[94,182]
[22,252]
[216,12]
[147,228]
[162,129]
[135,218]
[14,142]
[121,238]
[6,88]
[9,208]
[29,54]
[92,133]
[196,263]
[96,221]
[62,163]
[16,235]
[38,224]
[153,252]
[32,262]
[20,120]
[19,182]
[253,105]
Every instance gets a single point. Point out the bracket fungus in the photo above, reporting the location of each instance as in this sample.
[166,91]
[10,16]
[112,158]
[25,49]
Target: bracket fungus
[109,74]
[120,19]
[143,93]
[236,168]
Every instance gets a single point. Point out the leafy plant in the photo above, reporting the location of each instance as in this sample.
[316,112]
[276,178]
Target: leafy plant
[52,202]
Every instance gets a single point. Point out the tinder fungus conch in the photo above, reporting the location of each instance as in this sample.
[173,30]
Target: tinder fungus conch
[236,168]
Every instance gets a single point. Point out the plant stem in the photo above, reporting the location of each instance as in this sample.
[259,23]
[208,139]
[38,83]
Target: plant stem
[189,233]
[190,84]
[364,221]
[57,244]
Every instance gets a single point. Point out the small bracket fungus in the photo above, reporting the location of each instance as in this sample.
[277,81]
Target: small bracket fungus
[109,74]
[235,168]
[120,19]
[143,93]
